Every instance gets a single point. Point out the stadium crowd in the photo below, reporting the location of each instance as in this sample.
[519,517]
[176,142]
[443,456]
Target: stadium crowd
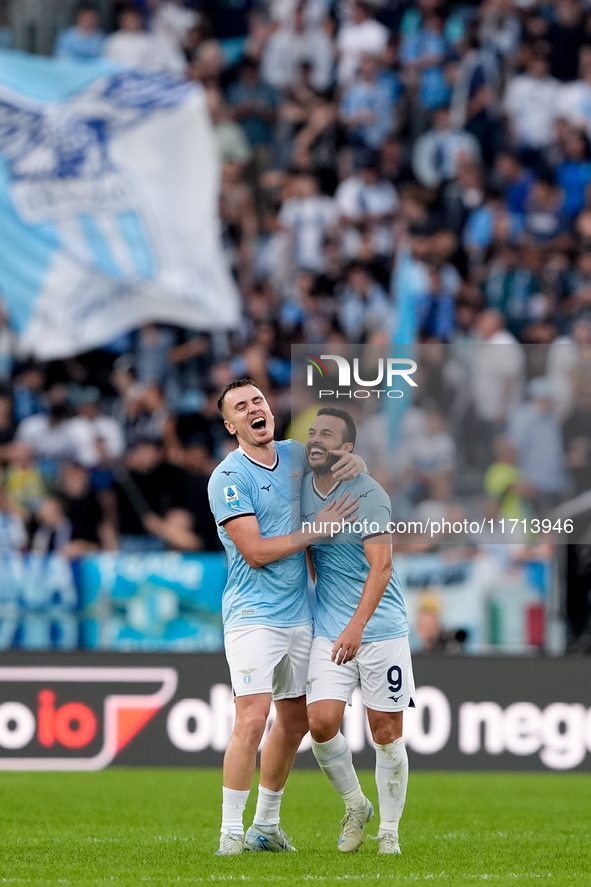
[391,171]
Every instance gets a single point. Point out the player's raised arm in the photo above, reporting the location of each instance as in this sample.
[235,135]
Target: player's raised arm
[379,557]
[244,531]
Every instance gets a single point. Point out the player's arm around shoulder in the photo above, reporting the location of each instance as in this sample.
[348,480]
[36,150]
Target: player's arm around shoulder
[348,467]
[259,551]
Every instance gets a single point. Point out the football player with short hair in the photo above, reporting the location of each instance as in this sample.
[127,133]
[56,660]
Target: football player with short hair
[360,635]
[265,607]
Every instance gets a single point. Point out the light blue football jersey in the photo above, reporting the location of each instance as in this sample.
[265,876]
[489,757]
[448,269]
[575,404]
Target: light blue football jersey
[342,567]
[277,593]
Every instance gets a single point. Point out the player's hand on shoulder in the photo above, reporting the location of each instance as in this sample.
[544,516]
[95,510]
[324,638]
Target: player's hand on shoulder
[349,466]
[347,644]
[337,510]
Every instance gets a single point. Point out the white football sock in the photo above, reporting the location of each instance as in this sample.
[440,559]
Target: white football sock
[267,812]
[233,806]
[391,780]
[336,761]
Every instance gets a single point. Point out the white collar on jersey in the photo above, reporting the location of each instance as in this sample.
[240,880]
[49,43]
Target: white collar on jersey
[332,489]
[262,464]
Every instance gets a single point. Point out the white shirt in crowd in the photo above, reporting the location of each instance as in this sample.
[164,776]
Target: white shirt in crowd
[107,429]
[575,104]
[70,439]
[142,50]
[284,10]
[287,50]
[497,376]
[308,219]
[74,438]
[427,453]
[356,198]
[437,153]
[353,41]
[532,106]
[13,535]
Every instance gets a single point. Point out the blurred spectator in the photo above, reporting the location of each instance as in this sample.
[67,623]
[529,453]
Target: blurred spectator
[296,44]
[531,103]
[429,452]
[422,54]
[436,507]
[145,413]
[505,484]
[515,180]
[13,536]
[81,508]
[208,65]
[566,35]
[231,141]
[307,217]
[132,45]
[84,40]
[367,111]
[534,431]
[476,94]
[364,305]
[102,428]
[366,199]
[23,480]
[500,28]
[28,392]
[435,306]
[253,104]
[54,436]
[510,286]
[577,435]
[575,97]
[496,380]
[229,23]
[461,200]
[428,628]
[433,638]
[545,221]
[175,530]
[53,534]
[151,354]
[361,35]
[198,464]
[574,173]
[438,153]
[145,487]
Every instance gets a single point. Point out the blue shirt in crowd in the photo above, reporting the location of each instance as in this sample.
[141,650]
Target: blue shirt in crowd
[74,44]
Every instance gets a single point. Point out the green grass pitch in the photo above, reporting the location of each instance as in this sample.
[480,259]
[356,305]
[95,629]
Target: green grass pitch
[160,827]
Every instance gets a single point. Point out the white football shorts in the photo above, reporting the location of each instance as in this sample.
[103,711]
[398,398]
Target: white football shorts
[383,670]
[264,659]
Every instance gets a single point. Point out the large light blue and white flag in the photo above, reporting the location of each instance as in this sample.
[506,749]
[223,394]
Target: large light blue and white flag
[109,185]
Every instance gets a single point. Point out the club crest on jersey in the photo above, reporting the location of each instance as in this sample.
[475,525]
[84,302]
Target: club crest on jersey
[246,672]
[232,497]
